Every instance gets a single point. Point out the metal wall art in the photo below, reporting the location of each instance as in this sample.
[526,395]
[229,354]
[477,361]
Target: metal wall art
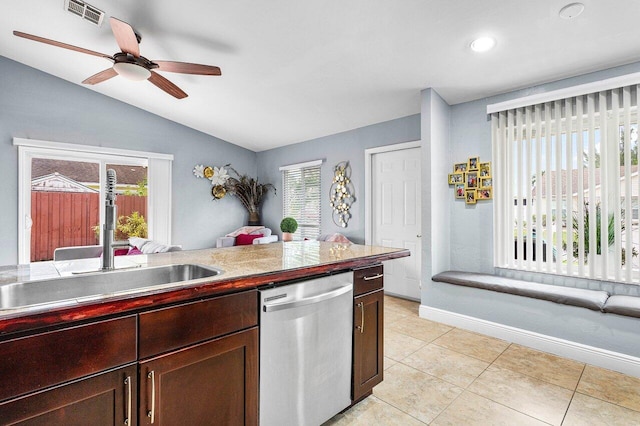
[472,180]
[341,194]
[218,177]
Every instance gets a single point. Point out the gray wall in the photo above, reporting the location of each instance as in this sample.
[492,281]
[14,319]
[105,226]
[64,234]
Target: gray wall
[471,236]
[333,149]
[36,105]
[471,136]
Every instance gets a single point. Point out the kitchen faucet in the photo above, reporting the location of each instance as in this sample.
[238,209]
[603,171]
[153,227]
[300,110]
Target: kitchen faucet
[108,230]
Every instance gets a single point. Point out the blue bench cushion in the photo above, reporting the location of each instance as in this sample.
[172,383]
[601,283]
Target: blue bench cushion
[591,299]
[623,305]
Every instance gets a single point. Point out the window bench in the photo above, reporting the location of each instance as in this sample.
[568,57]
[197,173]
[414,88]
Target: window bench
[596,300]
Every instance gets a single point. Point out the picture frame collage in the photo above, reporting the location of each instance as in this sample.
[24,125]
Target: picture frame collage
[472,180]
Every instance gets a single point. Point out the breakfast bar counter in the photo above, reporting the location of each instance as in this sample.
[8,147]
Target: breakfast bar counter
[243,268]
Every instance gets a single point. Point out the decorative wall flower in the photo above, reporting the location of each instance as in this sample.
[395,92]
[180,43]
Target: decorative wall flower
[220,176]
[218,191]
[198,171]
[247,189]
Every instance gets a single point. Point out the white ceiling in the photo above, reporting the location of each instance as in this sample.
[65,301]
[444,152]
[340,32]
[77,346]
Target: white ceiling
[296,70]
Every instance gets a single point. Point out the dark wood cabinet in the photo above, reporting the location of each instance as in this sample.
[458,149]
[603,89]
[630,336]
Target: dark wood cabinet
[33,363]
[107,399]
[167,329]
[194,363]
[368,327]
[190,363]
[215,382]
[197,364]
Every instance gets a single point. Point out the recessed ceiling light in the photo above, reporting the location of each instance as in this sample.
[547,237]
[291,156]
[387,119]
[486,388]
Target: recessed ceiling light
[482,44]
[571,10]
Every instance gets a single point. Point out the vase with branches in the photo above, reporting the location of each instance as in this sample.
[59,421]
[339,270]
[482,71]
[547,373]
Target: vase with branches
[250,192]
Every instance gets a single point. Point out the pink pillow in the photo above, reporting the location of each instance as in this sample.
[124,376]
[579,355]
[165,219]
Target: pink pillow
[120,252]
[246,239]
[134,250]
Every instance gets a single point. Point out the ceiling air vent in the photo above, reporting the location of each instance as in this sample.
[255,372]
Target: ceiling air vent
[85,11]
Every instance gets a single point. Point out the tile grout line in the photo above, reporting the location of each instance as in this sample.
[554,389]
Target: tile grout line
[497,402]
[470,356]
[398,408]
[564,417]
[598,398]
[540,378]
[473,381]
[409,314]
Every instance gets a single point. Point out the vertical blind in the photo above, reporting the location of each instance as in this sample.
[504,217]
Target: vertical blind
[566,186]
[301,199]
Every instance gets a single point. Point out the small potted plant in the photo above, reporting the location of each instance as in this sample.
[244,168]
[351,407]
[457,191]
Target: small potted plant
[288,226]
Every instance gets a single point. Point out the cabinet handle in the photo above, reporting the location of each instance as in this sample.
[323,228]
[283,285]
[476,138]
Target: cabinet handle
[127,382]
[152,413]
[374,277]
[361,326]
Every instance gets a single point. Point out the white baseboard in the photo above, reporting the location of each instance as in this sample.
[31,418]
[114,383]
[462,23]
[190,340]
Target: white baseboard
[588,354]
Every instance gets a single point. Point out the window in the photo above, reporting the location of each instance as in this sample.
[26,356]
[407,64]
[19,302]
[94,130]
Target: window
[301,199]
[574,163]
[61,195]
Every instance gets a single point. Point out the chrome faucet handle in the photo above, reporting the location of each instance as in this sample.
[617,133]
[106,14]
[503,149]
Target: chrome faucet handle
[120,244]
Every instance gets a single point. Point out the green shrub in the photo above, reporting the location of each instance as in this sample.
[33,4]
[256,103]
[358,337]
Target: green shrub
[132,226]
[289,224]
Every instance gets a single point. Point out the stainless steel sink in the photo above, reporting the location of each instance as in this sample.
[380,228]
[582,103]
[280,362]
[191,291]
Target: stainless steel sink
[94,285]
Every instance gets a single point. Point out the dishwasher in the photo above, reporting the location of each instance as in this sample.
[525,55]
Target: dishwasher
[305,350]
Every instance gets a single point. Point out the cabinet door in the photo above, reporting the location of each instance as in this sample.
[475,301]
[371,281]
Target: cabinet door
[105,399]
[367,343]
[215,382]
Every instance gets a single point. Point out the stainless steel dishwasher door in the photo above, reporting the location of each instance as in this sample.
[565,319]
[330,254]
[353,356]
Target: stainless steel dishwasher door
[305,351]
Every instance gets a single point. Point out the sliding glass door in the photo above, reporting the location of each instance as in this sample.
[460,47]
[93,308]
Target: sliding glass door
[62,199]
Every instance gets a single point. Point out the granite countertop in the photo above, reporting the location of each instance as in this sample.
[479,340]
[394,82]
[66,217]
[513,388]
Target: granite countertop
[244,267]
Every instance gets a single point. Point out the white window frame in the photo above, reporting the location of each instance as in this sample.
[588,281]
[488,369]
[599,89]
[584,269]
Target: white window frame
[159,186]
[301,166]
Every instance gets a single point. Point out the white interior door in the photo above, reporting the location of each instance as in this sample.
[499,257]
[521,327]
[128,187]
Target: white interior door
[396,216]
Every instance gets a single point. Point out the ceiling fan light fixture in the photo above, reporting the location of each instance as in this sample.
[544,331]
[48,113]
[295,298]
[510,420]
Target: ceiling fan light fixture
[132,72]
[482,44]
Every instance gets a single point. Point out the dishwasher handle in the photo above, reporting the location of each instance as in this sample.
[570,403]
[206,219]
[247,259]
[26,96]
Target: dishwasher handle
[308,300]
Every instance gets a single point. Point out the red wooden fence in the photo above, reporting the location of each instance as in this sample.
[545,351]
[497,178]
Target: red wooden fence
[63,219]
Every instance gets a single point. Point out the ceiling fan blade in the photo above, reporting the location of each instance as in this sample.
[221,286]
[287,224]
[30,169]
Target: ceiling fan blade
[59,44]
[187,68]
[101,76]
[167,86]
[125,37]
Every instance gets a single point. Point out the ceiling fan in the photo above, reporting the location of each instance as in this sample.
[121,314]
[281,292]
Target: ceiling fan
[128,62]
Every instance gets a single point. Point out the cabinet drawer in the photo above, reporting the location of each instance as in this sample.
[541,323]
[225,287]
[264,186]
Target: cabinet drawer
[36,362]
[175,327]
[367,279]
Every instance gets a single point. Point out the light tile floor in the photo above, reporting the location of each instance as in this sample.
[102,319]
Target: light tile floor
[440,375]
